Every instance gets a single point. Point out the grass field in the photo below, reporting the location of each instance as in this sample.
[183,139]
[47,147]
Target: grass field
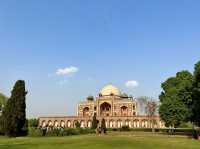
[110,141]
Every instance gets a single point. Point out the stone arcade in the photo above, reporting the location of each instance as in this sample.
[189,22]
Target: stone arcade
[116,108]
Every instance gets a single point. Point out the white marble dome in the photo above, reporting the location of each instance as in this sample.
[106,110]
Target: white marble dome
[110,90]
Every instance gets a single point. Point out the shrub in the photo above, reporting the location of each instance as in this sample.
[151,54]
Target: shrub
[53,132]
[34,132]
[71,131]
[125,128]
[114,129]
[177,131]
[33,122]
[86,131]
[186,125]
[142,129]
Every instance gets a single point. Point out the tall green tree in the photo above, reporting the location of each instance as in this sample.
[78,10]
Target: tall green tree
[176,99]
[103,125]
[14,114]
[196,95]
[94,122]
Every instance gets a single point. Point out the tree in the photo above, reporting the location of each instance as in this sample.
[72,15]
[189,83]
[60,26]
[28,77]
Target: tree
[78,124]
[33,122]
[151,110]
[3,100]
[90,98]
[94,122]
[148,107]
[14,114]
[196,96]
[176,99]
[173,112]
[103,125]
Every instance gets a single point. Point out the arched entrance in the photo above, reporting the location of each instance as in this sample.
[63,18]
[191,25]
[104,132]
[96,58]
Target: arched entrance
[56,124]
[119,124]
[124,111]
[136,124]
[50,123]
[112,124]
[43,124]
[86,112]
[68,123]
[62,124]
[82,124]
[105,109]
[128,123]
[89,124]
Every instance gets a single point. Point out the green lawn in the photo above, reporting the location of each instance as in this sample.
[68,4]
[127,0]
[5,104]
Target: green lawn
[110,141]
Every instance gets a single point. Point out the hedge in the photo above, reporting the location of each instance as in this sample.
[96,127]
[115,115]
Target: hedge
[184,131]
[34,132]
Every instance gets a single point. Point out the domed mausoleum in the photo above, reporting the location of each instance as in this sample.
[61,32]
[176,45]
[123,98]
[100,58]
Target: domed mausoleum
[110,90]
[117,110]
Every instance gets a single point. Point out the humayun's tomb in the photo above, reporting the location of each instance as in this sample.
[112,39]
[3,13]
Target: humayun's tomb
[116,108]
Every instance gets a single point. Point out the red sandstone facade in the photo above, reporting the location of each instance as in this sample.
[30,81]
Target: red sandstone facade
[117,109]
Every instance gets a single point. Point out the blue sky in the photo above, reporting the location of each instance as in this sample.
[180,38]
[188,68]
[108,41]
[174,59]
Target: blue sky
[106,41]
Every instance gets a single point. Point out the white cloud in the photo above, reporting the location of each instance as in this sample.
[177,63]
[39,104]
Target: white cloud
[67,71]
[131,84]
